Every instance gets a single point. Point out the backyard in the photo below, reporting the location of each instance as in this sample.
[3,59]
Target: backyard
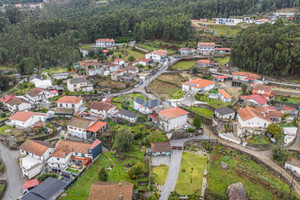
[223,61]
[184,65]
[190,174]
[177,95]
[202,111]
[162,173]
[118,101]
[216,103]
[259,140]
[260,183]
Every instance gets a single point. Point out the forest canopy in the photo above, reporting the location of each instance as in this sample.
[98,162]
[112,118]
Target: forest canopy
[268,49]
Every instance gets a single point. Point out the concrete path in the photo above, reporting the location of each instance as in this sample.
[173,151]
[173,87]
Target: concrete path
[176,155]
[296,145]
[13,173]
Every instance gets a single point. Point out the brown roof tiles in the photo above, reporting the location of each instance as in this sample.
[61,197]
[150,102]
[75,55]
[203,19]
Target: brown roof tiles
[111,191]
[36,147]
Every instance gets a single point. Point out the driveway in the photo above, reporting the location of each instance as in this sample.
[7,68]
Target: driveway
[13,173]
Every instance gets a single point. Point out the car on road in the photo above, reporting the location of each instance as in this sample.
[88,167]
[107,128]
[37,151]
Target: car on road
[138,84]
[153,73]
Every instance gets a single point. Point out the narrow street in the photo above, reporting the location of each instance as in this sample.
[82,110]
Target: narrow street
[13,173]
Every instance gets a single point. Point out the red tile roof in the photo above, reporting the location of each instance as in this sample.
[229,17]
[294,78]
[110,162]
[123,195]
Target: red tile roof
[95,143]
[64,147]
[6,98]
[102,105]
[205,44]
[96,126]
[224,93]
[105,40]
[221,77]
[199,83]
[289,108]
[111,191]
[250,112]
[246,74]
[262,87]
[160,147]
[146,60]
[172,112]
[36,147]
[258,98]
[69,99]
[203,61]
[30,184]
[224,49]
[263,20]
[274,114]
[23,116]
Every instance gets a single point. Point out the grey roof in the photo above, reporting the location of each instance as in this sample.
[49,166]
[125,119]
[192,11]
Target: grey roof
[225,111]
[46,190]
[128,113]
[38,76]
[149,104]
[78,80]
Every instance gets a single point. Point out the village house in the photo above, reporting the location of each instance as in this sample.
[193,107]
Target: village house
[119,61]
[225,113]
[30,184]
[105,43]
[34,155]
[39,94]
[222,51]
[160,149]
[24,119]
[109,67]
[263,90]
[293,165]
[34,78]
[43,84]
[262,21]
[145,62]
[85,128]
[69,152]
[79,84]
[198,85]
[224,96]
[206,48]
[245,76]
[146,107]
[275,116]
[17,104]
[228,21]
[127,115]
[69,102]
[6,98]
[157,56]
[49,189]
[125,74]
[203,63]
[91,67]
[173,118]
[255,100]
[102,109]
[251,120]
[111,191]
[64,75]
[186,51]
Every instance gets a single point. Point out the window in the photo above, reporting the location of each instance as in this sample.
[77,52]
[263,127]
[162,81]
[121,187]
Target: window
[75,129]
[248,123]
[76,154]
[58,158]
[70,127]
[79,129]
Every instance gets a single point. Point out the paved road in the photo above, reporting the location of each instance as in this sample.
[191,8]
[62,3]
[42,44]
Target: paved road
[296,145]
[176,155]
[13,173]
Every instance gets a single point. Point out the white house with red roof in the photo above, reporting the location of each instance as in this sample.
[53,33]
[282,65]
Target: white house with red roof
[105,43]
[203,63]
[145,62]
[157,56]
[263,90]
[198,85]
[6,98]
[30,184]
[102,109]
[205,48]
[250,120]
[18,104]
[255,100]
[39,94]
[245,76]
[24,119]
[224,96]
[70,102]
[186,51]
[173,118]
[262,21]
[222,51]
[119,61]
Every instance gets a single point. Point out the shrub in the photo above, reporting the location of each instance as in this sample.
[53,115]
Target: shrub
[102,174]
[3,114]
[42,177]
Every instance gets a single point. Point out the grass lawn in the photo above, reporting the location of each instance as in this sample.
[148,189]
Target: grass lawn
[72,170]
[162,173]
[138,55]
[259,140]
[223,61]
[188,161]
[171,47]
[80,190]
[225,29]
[283,99]
[55,70]
[117,101]
[184,65]
[202,111]
[86,47]
[216,103]
[177,95]
[282,124]
[260,183]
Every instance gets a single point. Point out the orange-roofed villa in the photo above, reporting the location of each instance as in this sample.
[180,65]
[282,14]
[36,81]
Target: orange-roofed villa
[173,118]
[105,43]
[198,85]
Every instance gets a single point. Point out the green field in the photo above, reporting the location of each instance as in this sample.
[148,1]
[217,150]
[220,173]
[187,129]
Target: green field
[162,173]
[202,111]
[177,95]
[171,47]
[190,162]
[223,61]
[260,183]
[283,99]
[225,29]
[184,65]
[216,103]
[259,140]
[86,47]
[138,55]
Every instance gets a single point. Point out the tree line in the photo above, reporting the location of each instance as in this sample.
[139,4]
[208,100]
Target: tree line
[268,49]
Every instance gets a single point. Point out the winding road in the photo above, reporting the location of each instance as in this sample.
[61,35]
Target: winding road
[13,173]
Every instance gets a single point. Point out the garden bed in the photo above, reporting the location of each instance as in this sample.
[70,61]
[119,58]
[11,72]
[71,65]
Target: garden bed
[183,65]
[202,111]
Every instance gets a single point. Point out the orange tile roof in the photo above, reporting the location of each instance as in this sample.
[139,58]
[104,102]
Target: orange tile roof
[102,105]
[111,191]
[206,44]
[105,40]
[31,183]
[250,112]
[172,112]
[199,83]
[274,114]
[96,126]
[262,87]
[261,109]
[224,93]
[64,147]
[36,147]
[246,74]
[69,99]
[203,61]
[23,116]
[160,52]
